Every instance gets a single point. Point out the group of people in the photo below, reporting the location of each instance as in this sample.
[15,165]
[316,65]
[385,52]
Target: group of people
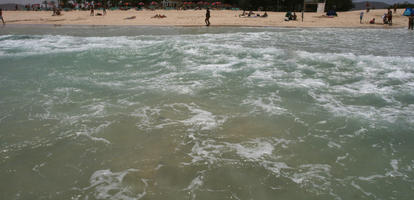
[56,11]
[97,14]
[386,18]
[252,14]
[289,16]
[159,16]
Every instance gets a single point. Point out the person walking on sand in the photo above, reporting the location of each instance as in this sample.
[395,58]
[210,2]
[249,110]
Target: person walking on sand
[411,22]
[92,11]
[361,16]
[1,16]
[207,17]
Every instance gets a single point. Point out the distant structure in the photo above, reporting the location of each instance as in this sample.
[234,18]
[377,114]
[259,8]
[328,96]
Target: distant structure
[11,4]
[170,3]
[319,4]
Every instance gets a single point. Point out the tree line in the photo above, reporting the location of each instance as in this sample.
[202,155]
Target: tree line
[288,5]
[269,5]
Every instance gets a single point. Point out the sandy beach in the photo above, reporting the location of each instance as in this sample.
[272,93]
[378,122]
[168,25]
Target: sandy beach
[196,18]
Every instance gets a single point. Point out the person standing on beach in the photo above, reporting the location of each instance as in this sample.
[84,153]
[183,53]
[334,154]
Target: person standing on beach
[1,16]
[361,15]
[411,22]
[207,17]
[92,11]
[389,17]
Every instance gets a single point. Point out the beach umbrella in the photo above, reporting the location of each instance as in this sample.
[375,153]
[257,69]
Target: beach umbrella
[154,3]
[206,3]
[141,3]
[200,3]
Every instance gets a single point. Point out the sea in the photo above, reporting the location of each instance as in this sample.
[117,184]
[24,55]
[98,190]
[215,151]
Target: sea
[202,113]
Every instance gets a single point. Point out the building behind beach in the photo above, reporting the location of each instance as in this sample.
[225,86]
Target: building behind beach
[11,4]
[319,4]
[170,3]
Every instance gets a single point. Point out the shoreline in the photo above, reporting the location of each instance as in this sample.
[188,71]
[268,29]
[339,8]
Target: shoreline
[193,18]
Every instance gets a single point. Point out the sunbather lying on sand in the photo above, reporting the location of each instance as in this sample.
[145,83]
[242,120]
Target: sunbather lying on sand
[159,16]
[133,17]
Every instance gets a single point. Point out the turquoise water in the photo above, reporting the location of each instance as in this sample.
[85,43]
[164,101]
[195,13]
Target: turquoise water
[206,113]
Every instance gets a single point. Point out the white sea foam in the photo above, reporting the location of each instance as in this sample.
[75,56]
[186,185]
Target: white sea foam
[195,117]
[253,150]
[106,184]
[332,144]
[258,151]
[372,177]
[369,194]
[395,169]
[269,104]
[206,152]
[202,119]
[49,44]
[195,184]
[340,158]
[91,132]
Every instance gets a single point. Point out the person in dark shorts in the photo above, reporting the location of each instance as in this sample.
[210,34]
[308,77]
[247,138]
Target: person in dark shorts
[411,22]
[92,11]
[389,17]
[1,16]
[207,17]
[361,16]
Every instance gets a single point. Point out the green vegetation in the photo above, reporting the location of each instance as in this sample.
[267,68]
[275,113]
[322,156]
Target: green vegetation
[270,5]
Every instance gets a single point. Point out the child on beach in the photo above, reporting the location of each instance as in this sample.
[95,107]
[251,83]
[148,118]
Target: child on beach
[361,15]
[1,16]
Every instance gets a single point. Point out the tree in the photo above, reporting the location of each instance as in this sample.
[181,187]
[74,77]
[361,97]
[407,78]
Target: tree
[287,5]
[339,5]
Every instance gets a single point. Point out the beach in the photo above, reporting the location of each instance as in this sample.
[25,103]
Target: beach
[196,18]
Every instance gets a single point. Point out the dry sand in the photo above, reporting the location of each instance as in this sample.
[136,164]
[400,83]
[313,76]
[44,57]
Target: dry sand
[196,18]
